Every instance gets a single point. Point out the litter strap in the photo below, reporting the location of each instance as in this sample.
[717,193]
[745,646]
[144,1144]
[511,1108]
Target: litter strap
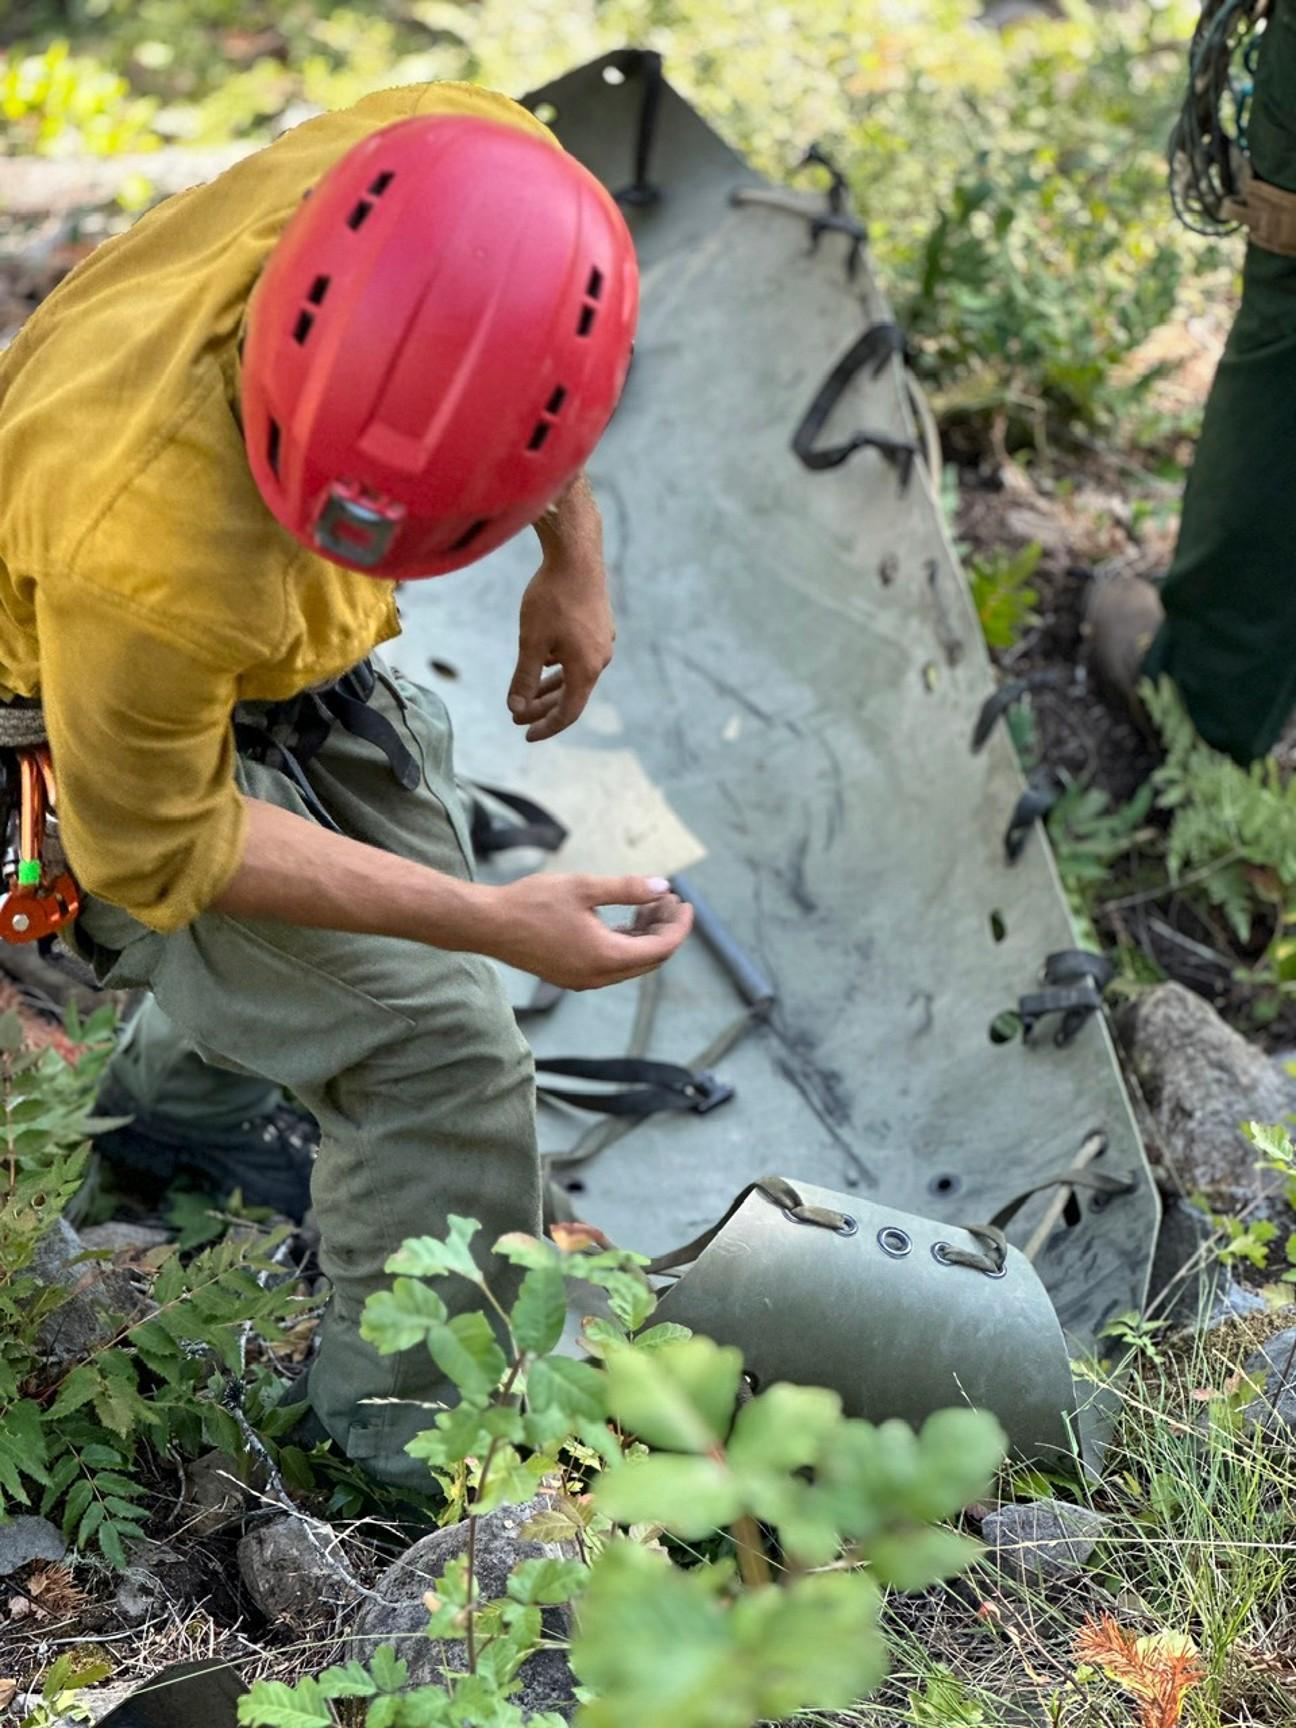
[875,348]
[640,1087]
[535,826]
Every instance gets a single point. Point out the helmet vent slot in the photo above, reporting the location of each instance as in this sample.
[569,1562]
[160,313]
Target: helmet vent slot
[318,289]
[585,323]
[360,214]
[470,534]
[302,328]
[272,448]
[555,402]
[594,287]
[539,435]
[381,184]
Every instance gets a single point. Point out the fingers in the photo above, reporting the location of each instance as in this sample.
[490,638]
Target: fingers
[622,890]
[577,686]
[527,678]
[645,950]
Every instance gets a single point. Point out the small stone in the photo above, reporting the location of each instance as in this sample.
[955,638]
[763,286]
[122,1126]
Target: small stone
[1274,1363]
[214,1495]
[285,1567]
[25,1538]
[156,1576]
[1043,1541]
[100,1297]
[398,1614]
[117,1235]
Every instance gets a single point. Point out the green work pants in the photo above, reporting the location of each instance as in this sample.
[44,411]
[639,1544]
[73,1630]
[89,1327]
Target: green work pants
[409,1057]
[1229,638]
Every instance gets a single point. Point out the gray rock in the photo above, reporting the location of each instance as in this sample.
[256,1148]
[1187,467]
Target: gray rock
[1274,1411]
[118,1235]
[156,1577]
[1188,1284]
[214,1494]
[100,1297]
[285,1568]
[398,1614]
[1201,1080]
[1043,1541]
[26,1538]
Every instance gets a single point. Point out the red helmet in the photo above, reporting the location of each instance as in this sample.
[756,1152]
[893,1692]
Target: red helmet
[436,345]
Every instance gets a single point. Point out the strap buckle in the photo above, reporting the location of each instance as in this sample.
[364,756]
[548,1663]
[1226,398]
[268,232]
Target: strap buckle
[707,1092]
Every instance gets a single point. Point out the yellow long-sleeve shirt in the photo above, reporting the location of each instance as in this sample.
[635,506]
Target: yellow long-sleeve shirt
[144,585]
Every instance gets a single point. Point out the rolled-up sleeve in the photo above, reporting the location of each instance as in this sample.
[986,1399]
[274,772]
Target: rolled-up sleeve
[149,812]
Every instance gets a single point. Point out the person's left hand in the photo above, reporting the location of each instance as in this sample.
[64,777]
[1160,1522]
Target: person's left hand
[565,637]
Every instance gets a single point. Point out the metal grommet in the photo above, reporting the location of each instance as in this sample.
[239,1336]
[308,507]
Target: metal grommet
[1001,1273]
[848,1227]
[940,1253]
[894,1241]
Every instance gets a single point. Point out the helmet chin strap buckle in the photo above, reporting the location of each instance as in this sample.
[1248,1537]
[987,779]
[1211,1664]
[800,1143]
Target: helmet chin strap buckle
[357,526]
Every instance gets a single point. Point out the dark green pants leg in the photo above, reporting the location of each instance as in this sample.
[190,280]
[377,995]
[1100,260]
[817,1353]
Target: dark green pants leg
[1229,639]
[409,1058]
[166,1082]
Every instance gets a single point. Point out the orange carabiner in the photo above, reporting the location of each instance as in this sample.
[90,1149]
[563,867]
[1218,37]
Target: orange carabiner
[35,904]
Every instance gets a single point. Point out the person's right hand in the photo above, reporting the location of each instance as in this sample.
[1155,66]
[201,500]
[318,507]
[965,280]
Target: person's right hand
[549,925]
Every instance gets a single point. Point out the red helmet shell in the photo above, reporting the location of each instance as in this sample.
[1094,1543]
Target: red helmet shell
[436,345]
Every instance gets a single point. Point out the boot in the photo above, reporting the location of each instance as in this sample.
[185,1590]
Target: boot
[1121,617]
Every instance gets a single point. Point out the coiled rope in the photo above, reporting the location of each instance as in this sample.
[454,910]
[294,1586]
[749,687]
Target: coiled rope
[1208,145]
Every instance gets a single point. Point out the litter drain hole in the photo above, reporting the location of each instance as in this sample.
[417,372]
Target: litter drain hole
[272,448]
[586,321]
[302,328]
[575,1186]
[555,402]
[1071,1212]
[539,435]
[944,1184]
[1005,1027]
[894,1241]
[998,928]
[381,184]
[318,289]
[443,668]
[594,287]
[360,215]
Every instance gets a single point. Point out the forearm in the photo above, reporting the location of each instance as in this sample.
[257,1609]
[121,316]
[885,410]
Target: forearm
[572,528]
[294,872]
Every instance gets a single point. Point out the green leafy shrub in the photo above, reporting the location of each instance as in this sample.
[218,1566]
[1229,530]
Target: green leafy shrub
[74,1439]
[56,102]
[1013,181]
[1001,592]
[794,1519]
[1234,829]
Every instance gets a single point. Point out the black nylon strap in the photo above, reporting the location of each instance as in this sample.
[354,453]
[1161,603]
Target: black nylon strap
[878,344]
[647,1087]
[537,826]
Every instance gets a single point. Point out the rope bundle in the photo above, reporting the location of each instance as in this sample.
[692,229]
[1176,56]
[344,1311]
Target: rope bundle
[1208,145]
